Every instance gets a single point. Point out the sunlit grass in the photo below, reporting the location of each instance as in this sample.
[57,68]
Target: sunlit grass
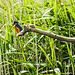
[18,54]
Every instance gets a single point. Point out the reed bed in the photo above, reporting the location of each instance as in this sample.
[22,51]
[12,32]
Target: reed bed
[33,53]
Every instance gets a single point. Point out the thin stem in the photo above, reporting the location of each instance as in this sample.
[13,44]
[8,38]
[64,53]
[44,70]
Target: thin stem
[36,45]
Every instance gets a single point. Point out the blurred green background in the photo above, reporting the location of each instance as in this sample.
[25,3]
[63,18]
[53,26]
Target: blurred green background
[33,53]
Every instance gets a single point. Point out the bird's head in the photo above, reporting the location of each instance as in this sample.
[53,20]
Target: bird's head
[15,23]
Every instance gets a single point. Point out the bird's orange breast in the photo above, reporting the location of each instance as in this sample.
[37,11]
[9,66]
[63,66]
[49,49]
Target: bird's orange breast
[17,29]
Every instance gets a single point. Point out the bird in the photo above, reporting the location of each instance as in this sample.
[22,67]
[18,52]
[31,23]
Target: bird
[17,27]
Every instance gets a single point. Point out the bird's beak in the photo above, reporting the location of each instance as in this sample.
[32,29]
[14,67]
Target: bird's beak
[13,24]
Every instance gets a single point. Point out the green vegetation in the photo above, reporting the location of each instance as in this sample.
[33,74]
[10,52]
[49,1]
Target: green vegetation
[34,53]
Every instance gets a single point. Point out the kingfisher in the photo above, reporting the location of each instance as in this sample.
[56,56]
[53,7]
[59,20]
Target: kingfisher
[17,27]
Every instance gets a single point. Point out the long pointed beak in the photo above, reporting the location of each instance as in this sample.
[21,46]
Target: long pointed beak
[13,24]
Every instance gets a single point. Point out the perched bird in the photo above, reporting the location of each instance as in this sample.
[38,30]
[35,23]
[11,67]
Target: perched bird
[17,27]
